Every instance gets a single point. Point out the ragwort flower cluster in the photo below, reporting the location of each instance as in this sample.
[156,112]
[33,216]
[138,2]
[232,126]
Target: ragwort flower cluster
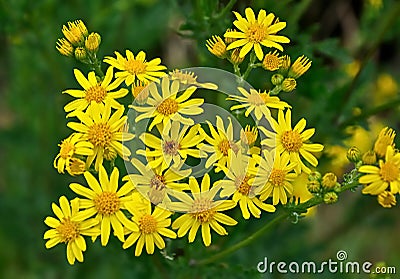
[163,198]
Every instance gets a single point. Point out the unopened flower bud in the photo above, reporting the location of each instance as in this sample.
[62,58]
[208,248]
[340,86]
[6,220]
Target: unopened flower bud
[92,42]
[80,53]
[329,180]
[277,79]
[289,84]
[314,175]
[353,154]
[330,197]
[313,186]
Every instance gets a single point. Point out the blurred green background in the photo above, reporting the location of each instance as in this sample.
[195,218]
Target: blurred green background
[339,36]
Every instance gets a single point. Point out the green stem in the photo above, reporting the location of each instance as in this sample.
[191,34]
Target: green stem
[227,8]
[280,216]
[95,65]
[250,66]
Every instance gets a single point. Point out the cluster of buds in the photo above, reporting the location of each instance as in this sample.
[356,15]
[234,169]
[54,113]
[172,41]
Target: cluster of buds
[325,186]
[285,78]
[78,42]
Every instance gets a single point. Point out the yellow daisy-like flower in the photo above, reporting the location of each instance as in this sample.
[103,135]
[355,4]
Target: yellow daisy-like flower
[293,142]
[95,93]
[378,179]
[152,226]
[103,130]
[221,144]
[168,106]
[105,200]
[69,147]
[155,184]
[203,210]
[275,175]
[255,32]
[387,199]
[67,229]
[174,146]
[272,61]
[385,138]
[239,182]
[257,101]
[133,68]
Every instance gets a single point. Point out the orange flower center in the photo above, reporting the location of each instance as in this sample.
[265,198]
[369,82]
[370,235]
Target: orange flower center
[148,224]
[100,134]
[96,93]
[168,107]
[225,145]
[171,147]
[271,62]
[277,177]
[389,172]
[107,203]
[242,185]
[135,67]
[68,230]
[291,141]
[202,210]
[256,33]
[67,149]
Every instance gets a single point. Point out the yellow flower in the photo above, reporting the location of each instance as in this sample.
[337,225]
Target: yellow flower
[95,93]
[189,78]
[385,138]
[386,199]
[152,226]
[155,184]
[259,102]
[168,106]
[216,46]
[299,67]
[271,61]
[256,32]
[67,229]
[75,32]
[105,200]
[239,182]
[221,143]
[133,68]
[292,141]
[203,210]
[102,129]
[275,175]
[378,179]
[175,145]
[65,47]
[73,145]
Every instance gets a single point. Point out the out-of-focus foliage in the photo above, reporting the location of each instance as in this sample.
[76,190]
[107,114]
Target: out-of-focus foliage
[337,36]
